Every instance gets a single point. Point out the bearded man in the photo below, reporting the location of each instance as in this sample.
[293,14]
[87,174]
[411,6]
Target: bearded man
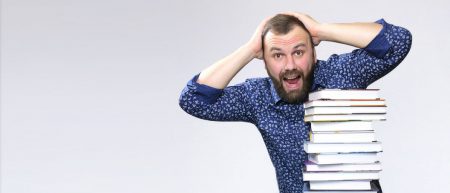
[286,43]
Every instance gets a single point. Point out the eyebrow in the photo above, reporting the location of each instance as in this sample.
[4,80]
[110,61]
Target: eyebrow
[295,47]
[300,45]
[275,49]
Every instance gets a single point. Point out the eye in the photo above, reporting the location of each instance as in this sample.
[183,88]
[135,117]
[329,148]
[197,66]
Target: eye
[298,53]
[277,55]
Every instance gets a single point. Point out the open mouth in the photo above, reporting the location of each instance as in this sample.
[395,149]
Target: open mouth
[291,80]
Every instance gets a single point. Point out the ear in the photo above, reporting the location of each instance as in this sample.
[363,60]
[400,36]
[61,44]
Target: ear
[314,55]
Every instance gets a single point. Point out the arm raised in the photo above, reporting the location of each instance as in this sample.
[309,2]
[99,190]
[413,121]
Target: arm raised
[354,34]
[220,73]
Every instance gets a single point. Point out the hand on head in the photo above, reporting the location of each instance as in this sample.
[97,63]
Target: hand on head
[255,42]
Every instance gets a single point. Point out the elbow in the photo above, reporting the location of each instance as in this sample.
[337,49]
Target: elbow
[189,104]
[401,47]
[183,101]
[405,42]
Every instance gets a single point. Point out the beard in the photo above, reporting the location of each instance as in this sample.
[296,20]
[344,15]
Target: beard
[294,96]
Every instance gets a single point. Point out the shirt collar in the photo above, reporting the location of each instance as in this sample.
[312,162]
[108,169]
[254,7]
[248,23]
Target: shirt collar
[276,98]
[273,92]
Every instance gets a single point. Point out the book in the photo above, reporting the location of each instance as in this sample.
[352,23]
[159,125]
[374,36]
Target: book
[359,175]
[346,117]
[312,167]
[343,158]
[342,148]
[342,126]
[361,94]
[340,185]
[345,103]
[341,136]
[375,188]
[310,147]
[344,110]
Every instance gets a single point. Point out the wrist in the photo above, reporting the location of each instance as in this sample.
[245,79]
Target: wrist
[323,32]
[250,51]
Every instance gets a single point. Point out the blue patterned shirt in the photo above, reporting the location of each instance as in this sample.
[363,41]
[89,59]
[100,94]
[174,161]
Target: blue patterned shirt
[281,124]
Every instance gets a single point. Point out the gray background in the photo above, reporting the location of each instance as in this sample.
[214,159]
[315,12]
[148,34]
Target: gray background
[89,95]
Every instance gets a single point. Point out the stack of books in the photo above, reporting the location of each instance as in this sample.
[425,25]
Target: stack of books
[342,149]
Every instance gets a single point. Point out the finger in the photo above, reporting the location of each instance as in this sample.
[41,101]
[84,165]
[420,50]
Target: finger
[289,13]
[316,41]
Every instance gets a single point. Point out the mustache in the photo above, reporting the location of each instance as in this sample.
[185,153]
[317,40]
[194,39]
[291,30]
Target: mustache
[292,73]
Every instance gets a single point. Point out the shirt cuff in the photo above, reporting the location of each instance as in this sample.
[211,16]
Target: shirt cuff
[204,92]
[379,46]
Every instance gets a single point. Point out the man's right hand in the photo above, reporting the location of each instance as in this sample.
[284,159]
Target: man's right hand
[221,72]
[255,42]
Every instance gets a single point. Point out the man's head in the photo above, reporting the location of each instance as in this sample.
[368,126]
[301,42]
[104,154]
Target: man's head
[289,56]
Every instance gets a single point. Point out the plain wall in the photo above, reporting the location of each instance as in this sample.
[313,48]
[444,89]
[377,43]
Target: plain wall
[89,95]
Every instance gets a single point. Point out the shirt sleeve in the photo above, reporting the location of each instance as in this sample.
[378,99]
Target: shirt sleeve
[205,102]
[362,67]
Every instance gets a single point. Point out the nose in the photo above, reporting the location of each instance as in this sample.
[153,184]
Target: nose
[290,64]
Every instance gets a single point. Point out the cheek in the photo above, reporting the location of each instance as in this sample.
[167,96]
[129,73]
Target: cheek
[304,63]
[273,68]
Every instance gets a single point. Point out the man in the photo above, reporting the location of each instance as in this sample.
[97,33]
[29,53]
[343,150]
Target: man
[275,104]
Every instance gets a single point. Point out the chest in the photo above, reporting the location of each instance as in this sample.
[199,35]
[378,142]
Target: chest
[283,125]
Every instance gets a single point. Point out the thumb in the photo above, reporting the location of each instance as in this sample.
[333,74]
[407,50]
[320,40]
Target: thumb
[316,41]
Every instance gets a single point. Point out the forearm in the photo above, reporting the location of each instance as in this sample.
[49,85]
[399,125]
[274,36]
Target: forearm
[354,34]
[220,73]
[364,66]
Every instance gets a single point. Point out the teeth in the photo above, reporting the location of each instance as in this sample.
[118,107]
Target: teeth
[290,78]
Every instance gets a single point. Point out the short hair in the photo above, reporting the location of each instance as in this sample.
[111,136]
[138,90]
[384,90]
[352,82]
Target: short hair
[282,24]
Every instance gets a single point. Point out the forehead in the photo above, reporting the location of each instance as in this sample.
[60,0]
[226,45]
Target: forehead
[295,36]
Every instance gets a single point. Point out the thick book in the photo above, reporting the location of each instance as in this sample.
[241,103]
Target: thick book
[344,158]
[310,147]
[341,136]
[340,185]
[346,117]
[361,94]
[312,167]
[375,188]
[342,126]
[345,103]
[359,175]
[344,110]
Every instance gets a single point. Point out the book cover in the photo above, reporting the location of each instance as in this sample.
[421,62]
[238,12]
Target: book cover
[375,188]
[359,175]
[342,126]
[344,110]
[345,103]
[345,117]
[340,185]
[312,167]
[343,158]
[311,147]
[342,136]
[368,94]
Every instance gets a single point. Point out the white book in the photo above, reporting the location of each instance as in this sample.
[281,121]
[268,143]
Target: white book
[344,94]
[342,136]
[343,158]
[310,147]
[306,189]
[342,126]
[346,117]
[322,176]
[344,110]
[340,185]
[344,103]
[312,167]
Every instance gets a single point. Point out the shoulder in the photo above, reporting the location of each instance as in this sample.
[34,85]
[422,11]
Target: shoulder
[262,82]
[256,87]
